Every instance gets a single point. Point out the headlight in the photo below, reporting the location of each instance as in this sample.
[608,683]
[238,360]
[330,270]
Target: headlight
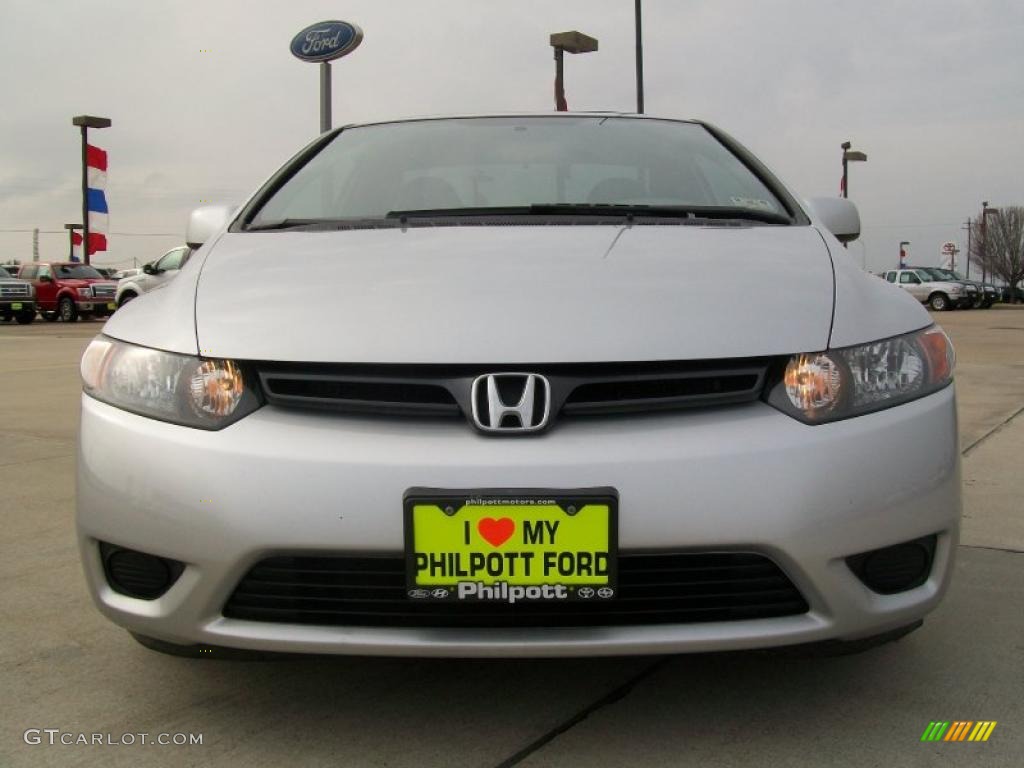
[85,290]
[956,289]
[191,391]
[840,383]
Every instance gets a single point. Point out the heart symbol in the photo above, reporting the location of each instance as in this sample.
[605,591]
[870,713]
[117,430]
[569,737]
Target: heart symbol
[497,532]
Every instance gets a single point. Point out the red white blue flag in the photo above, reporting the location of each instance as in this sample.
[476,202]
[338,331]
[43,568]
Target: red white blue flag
[96,164]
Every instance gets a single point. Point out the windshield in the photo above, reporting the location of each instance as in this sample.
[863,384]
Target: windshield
[77,271]
[4,273]
[944,274]
[471,165]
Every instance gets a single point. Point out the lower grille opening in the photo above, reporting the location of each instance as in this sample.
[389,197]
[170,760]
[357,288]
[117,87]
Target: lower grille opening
[654,588]
[897,568]
[138,574]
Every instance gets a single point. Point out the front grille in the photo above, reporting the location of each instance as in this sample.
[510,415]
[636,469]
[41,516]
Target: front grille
[14,290]
[355,393]
[576,389]
[103,291]
[654,588]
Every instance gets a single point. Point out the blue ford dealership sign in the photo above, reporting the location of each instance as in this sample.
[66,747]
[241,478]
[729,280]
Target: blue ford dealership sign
[326,41]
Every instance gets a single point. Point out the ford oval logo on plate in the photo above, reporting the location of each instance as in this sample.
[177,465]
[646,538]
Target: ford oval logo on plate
[326,40]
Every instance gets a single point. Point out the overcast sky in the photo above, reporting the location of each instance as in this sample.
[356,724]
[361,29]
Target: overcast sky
[207,101]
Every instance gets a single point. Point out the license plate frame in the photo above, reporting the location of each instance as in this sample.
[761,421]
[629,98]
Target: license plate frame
[584,508]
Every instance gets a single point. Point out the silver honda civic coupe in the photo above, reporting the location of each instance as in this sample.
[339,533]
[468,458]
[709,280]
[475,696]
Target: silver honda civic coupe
[519,385]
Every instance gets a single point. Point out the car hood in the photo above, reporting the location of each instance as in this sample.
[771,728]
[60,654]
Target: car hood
[515,294]
[78,282]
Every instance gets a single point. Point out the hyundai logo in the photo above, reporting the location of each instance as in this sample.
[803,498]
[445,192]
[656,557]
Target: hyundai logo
[511,402]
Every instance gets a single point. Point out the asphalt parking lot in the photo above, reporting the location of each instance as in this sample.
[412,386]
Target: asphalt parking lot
[63,666]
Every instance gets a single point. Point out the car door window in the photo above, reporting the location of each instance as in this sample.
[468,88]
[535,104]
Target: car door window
[890,276]
[43,272]
[909,277]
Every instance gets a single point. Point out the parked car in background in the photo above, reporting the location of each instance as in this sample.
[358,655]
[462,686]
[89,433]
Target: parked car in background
[938,293]
[69,290]
[561,384]
[17,298]
[153,275]
[107,272]
[987,294]
[1011,295]
[123,273]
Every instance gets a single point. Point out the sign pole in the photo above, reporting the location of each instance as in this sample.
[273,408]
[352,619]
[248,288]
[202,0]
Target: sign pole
[325,96]
[321,43]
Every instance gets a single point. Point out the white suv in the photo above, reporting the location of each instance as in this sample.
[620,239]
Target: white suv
[932,289]
[152,275]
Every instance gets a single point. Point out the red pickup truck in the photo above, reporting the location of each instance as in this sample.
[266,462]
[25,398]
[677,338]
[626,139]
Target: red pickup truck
[68,290]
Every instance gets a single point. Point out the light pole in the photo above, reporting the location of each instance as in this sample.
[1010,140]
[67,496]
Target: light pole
[639,60]
[572,42]
[968,228]
[71,239]
[849,157]
[85,122]
[903,253]
[985,211]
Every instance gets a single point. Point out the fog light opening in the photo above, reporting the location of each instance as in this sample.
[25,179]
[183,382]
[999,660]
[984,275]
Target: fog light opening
[138,574]
[894,569]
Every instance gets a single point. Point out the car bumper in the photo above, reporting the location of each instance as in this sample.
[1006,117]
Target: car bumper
[96,306]
[744,477]
[14,306]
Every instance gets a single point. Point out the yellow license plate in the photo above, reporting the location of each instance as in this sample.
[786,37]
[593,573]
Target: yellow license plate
[15,305]
[510,546]
[111,305]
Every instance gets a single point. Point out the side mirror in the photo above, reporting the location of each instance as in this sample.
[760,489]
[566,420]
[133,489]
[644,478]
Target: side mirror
[45,279]
[839,216]
[206,222]
[148,269]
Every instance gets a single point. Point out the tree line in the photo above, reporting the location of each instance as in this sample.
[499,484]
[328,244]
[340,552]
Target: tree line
[997,244]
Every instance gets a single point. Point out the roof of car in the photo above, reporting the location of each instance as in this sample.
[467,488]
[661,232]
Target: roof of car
[531,114]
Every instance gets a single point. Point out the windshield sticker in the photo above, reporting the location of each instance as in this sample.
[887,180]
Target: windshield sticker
[753,202]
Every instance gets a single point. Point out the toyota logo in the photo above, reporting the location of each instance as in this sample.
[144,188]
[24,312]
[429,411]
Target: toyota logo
[511,402]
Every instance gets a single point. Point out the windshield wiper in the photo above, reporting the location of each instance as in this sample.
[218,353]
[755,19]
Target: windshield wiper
[603,209]
[311,224]
[440,213]
[664,211]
